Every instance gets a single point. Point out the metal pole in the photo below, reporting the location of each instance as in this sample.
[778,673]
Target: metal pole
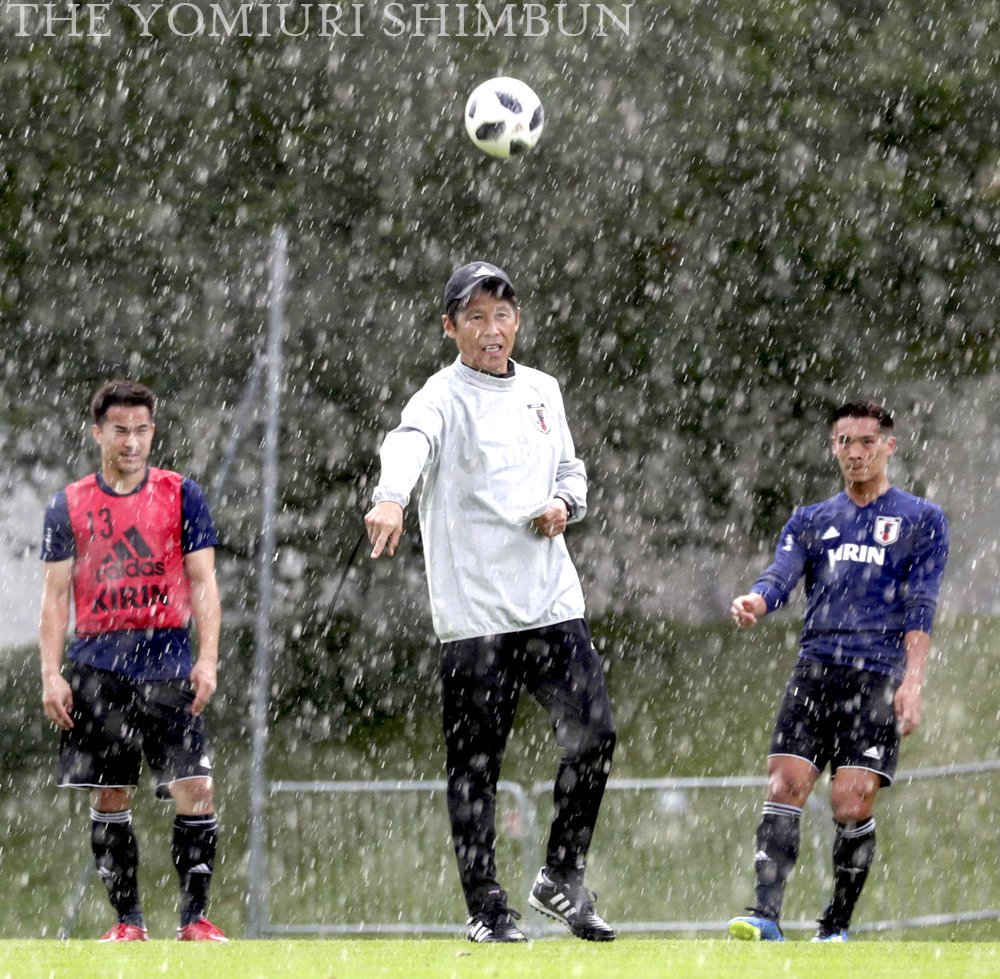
[257,914]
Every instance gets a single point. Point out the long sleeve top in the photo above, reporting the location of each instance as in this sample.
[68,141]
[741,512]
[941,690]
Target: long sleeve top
[493,453]
[872,574]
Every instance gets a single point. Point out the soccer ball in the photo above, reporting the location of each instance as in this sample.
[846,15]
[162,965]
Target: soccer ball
[504,116]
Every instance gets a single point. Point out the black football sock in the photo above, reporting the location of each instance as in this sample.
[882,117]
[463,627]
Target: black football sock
[116,854]
[853,850]
[193,849]
[777,851]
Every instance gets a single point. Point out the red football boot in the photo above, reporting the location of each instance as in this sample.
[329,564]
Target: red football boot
[201,930]
[125,933]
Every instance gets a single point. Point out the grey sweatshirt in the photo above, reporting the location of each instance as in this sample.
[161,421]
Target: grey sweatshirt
[494,452]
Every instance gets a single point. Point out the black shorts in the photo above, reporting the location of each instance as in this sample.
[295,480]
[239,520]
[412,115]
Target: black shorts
[482,679]
[117,720]
[841,716]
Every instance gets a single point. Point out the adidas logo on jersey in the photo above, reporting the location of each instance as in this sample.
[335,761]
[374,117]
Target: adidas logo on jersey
[139,562]
[856,553]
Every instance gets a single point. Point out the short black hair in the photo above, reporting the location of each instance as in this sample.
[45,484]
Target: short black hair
[863,409]
[129,394]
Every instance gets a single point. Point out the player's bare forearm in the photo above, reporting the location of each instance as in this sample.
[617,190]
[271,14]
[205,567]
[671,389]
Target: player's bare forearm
[51,639]
[747,610]
[57,698]
[908,700]
[204,680]
[917,646]
[384,523]
[205,671]
[206,610]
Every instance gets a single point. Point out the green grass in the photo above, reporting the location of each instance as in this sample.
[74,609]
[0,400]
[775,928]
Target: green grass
[688,701]
[445,958]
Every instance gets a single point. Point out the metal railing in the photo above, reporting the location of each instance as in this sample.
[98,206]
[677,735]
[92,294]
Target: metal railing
[673,790]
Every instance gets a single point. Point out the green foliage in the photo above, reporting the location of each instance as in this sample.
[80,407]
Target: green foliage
[26,737]
[738,215]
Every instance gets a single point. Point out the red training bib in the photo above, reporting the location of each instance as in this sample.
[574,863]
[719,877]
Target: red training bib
[129,569]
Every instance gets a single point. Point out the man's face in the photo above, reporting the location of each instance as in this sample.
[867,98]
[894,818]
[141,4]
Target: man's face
[484,332]
[125,436]
[862,450]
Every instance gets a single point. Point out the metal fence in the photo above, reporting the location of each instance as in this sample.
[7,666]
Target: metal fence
[680,843]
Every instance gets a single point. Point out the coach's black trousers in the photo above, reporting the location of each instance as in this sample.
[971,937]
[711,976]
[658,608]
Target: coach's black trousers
[481,681]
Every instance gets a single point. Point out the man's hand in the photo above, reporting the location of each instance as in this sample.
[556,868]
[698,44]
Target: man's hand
[57,699]
[385,526]
[906,703]
[907,706]
[204,678]
[553,522]
[748,609]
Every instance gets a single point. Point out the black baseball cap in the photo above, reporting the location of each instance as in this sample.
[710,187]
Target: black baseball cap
[469,277]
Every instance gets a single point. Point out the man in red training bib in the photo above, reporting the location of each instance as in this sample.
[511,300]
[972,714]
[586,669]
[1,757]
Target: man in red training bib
[132,550]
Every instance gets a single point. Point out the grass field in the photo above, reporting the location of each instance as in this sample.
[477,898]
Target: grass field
[658,856]
[634,958]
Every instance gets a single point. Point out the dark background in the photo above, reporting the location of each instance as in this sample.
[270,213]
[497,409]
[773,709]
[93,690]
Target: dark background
[738,215]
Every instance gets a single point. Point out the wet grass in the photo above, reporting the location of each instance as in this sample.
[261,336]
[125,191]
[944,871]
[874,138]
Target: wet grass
[444,959]
[688,701]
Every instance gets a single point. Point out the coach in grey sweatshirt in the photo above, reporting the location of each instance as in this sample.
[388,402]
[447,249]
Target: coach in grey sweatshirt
[501,481]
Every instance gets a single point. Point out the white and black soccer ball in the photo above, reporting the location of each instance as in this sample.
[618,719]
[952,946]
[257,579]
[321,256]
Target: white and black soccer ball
[504,116]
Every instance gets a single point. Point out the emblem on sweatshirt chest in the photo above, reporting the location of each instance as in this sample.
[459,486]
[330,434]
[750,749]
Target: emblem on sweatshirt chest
[887,529]
[540,418]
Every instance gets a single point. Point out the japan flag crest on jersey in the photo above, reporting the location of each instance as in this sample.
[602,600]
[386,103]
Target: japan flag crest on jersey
[540,419]
[887,529]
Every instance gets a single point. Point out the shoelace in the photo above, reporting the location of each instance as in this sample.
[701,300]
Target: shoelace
[493,916]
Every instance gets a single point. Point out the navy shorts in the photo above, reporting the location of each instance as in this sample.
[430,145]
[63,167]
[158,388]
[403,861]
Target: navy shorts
[117,720]
[839,716]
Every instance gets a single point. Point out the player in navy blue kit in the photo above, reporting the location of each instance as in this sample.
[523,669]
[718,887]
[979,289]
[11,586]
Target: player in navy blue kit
[132,550]
[872,557]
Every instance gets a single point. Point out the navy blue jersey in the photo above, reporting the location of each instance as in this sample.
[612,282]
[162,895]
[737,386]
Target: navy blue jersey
[155,654]
[872,574]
